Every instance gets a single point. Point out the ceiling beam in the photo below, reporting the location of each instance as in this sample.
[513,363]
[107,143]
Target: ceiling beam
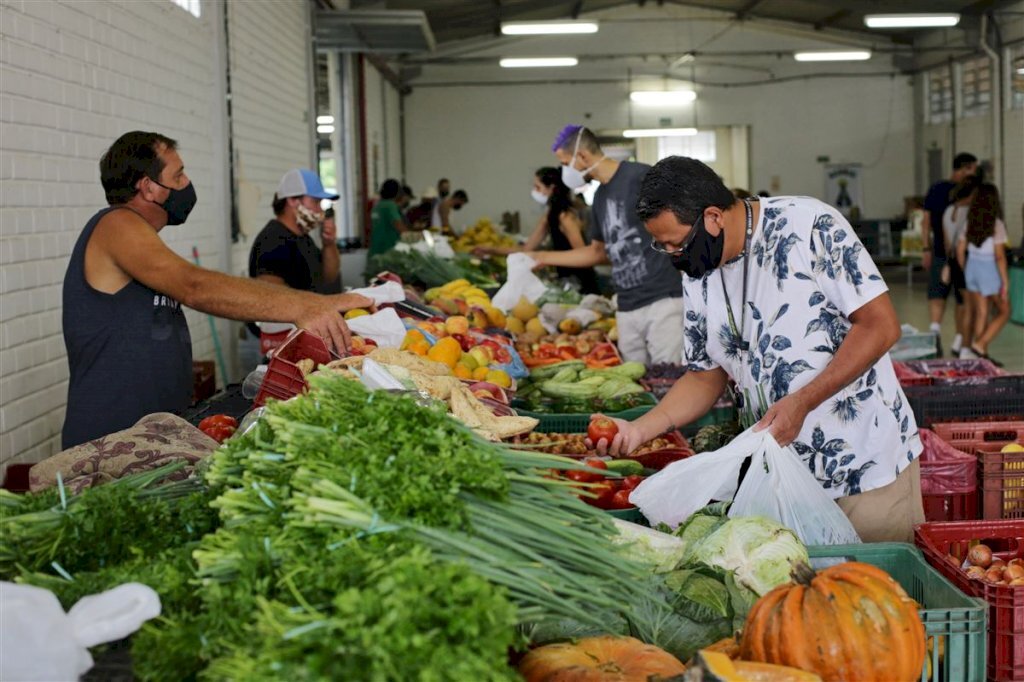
[742,12]
[576,10]
[830,19]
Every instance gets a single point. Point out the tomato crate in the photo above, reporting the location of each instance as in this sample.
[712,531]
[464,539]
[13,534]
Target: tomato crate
[1002,482]
[953,621]
[939,541]
[284,378]
[956,371]
[1002,399]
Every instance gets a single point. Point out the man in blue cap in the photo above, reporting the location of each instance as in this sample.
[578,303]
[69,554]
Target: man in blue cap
[284,253]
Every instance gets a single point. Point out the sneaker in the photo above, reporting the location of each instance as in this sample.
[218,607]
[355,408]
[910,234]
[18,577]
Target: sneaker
[958,344]
[967,354]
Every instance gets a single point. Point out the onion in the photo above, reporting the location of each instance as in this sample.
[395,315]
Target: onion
[980,555]
[1017,583]
[993,575]
[975,572]
[1013,572]
[1017,562]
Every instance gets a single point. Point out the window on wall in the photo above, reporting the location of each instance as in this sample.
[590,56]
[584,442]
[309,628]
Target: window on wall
[190,6]
[976,86]
[700,146]
[1016,62]
[939,96]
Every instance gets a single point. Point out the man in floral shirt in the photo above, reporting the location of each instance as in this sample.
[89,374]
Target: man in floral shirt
[782,298]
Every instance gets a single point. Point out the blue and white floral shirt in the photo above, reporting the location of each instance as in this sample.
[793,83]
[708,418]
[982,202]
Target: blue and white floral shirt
[808,273]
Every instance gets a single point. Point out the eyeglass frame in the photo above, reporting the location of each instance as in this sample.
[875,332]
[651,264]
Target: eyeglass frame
[657,247]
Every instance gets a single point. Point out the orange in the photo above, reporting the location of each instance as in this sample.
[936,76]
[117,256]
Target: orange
[480,373]
[462,372]
[500,378]
[420,348]
[446,350]
[412,336]
[456,324]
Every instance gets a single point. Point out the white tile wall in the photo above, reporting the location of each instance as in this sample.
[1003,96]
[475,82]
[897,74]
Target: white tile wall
[75,75]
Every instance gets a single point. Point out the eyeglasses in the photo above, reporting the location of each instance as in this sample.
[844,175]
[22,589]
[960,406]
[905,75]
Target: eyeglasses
[685,244]
[658,247]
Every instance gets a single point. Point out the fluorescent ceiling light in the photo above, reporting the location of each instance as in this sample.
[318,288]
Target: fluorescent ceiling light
[1020,70]
[548,28]
[528,62]
[832,56]
[662,97]
[659,132]
[911,20]
[325,120]
[326,129]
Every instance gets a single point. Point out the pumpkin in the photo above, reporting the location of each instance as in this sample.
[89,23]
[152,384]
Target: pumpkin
[716,666]
[850,622]
[600,659]
[729,646]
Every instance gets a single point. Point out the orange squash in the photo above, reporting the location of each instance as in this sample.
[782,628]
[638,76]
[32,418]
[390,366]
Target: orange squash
[847,623]
[715,666]
[600,659]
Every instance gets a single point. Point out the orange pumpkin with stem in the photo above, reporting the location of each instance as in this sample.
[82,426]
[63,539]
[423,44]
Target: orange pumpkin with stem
[600,659]
[850,622]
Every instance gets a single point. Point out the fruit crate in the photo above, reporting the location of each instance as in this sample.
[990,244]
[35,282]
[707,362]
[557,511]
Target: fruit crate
[578,423]
[940,541]
[955,372]
[1002,482]
[1001,399]
[949,480]
[284,379]
[953,621]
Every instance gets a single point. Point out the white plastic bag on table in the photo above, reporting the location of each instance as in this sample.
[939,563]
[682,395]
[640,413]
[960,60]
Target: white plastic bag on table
[521,282]
[777,485]
[41,642]
[389,292]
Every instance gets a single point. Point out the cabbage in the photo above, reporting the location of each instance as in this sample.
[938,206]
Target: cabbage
[661,551]
[760,552]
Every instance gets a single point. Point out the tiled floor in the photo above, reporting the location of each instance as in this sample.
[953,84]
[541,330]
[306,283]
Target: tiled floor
[912,306]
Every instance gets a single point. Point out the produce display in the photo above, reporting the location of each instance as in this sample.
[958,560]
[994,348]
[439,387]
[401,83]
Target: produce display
[600,658]
[572,387]
[982,564]
[483,233]
[219,427]
[607,491]
[415,266]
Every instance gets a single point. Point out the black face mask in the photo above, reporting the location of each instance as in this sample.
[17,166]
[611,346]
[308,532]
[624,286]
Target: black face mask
[179,203]
[701,253]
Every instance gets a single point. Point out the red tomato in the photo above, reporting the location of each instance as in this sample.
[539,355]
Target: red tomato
[620,500]
[596,463]
[219,433]
[631,482]
[582,476]
[602,428]
[218,420]
[604,493]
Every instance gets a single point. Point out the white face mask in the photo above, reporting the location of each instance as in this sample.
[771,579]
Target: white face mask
[573,178]
[308,220]
[539,196]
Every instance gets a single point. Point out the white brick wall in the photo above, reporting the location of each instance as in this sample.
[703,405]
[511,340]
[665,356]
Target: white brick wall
[76,74]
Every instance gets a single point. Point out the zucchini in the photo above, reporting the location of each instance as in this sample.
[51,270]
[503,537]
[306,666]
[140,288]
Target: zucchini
[548,371]
[625,467]
[568,390]
[628,370]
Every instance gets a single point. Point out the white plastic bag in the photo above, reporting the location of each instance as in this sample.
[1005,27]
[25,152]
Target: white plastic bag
[521,282]
[383,326]
[777,486]
[389,292]
[41,642]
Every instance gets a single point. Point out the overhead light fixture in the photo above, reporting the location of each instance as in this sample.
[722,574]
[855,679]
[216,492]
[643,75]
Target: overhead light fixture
[1020,70]
[661,98]
[324,120]
[659,132]
[911,20]
[325,129]
[531,62]
[832,56]
[548,28]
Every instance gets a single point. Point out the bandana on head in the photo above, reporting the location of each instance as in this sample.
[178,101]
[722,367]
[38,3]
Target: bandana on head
[566,133]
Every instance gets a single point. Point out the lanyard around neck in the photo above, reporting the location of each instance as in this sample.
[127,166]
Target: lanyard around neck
[738,331]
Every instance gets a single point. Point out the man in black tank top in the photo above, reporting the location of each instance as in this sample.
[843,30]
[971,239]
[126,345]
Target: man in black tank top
[128,344]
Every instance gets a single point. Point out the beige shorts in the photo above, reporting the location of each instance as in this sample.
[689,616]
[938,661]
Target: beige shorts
[889,513]
[653,334]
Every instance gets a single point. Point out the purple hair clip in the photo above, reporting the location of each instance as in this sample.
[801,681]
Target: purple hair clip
[565,134]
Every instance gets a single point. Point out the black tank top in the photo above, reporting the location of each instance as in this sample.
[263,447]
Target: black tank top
[586,276]
[129,353]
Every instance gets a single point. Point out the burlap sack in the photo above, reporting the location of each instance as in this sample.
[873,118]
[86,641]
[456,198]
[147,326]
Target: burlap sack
[153,441]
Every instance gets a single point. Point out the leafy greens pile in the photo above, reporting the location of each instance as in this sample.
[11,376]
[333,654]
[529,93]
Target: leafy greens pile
[351,535]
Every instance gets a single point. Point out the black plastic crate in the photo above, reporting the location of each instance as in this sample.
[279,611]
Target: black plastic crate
[1002,398]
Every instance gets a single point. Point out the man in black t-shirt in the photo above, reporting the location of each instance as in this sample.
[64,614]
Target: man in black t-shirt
[284,253]
[649,289]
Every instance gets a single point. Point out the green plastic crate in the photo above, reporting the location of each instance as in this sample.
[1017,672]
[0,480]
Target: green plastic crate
[578,423]
[949,615]
[1017,294]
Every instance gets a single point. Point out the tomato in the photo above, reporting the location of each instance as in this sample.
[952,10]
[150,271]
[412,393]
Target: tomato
[218,420]
[620,500]
[603,492]
[602,429]
[631,482]
[582,476]
[596,463]
[219,433]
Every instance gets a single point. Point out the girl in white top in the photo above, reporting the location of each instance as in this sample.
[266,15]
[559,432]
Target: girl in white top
[981,250]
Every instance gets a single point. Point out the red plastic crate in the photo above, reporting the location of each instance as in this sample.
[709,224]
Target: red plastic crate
[284,379]
[1006,604]
[970,436]
[1002,483]
[955,371]
[951,506]
[908,377]
[949,480]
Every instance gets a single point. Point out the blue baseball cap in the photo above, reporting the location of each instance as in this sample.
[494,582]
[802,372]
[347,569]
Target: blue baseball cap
[302,182]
